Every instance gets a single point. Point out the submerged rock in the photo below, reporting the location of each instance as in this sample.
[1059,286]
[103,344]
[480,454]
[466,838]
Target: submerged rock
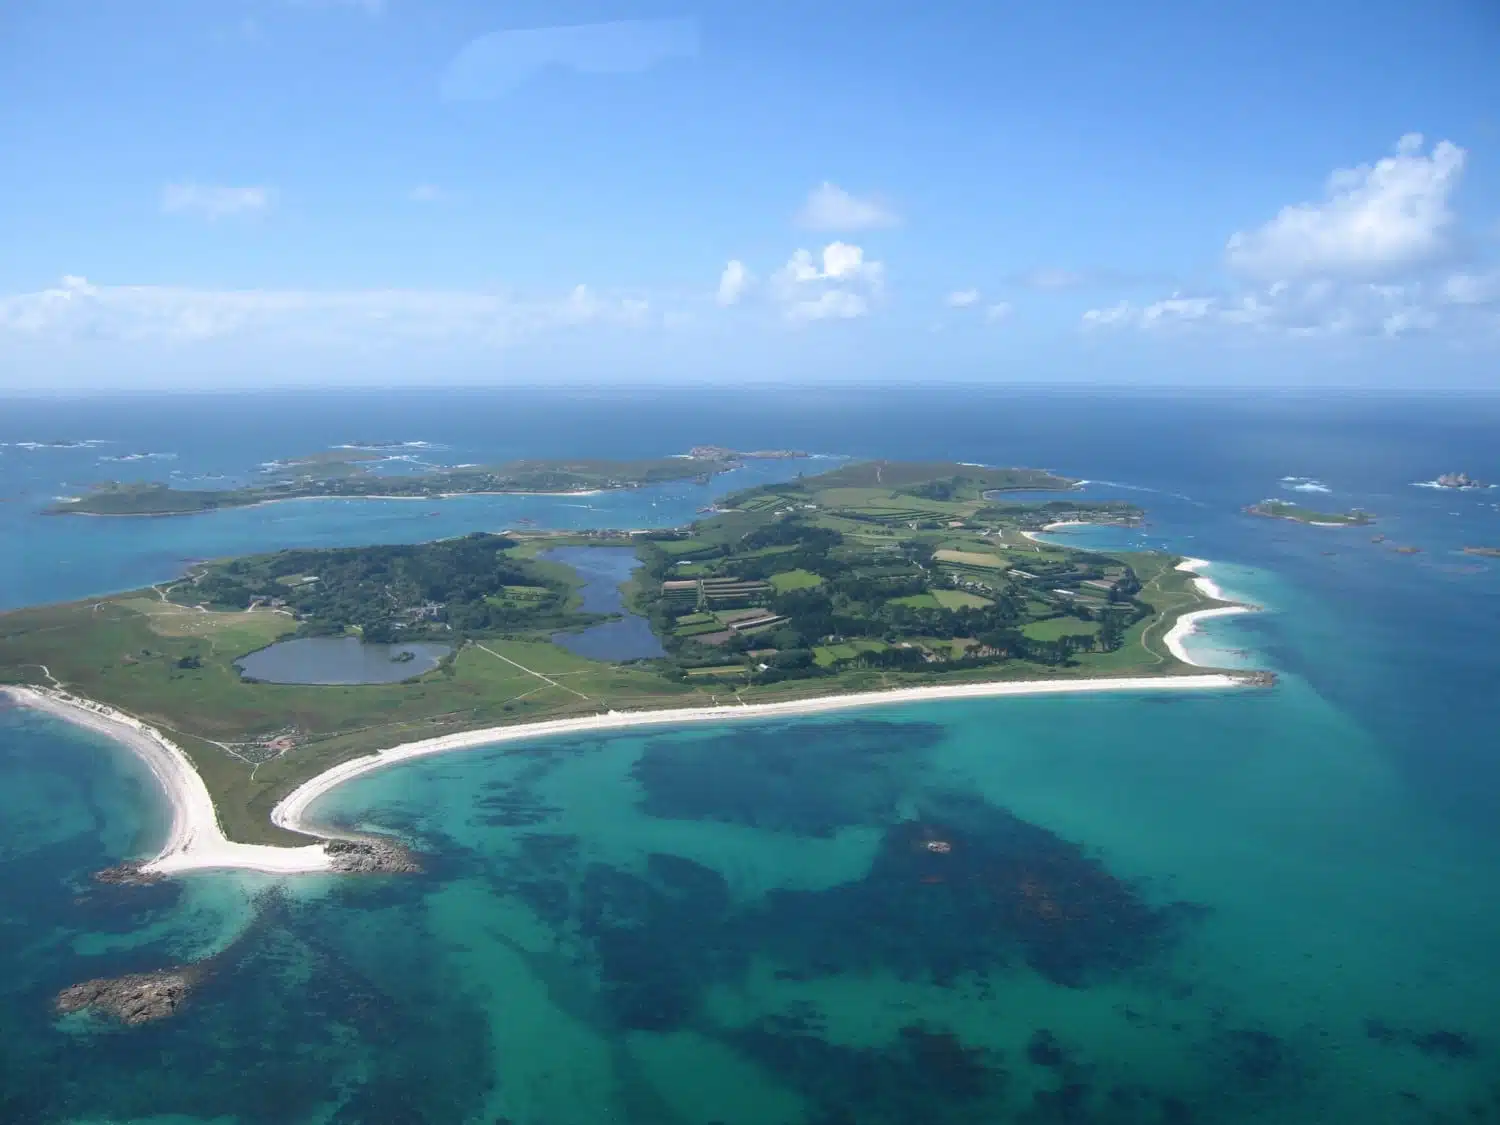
[129,873]
[132,999]
[369,856]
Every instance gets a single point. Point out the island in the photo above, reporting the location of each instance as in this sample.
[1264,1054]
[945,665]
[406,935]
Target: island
[253,685]
[1488,552]
[350,473]
[1282,510]
[1458,481]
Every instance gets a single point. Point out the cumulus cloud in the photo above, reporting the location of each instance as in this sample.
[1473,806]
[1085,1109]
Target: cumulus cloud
[963,298]
[829,207]
[495,64]
[1001,310]
[732,283]
[839,284]
[1377,220]
[77,309]
[214,201]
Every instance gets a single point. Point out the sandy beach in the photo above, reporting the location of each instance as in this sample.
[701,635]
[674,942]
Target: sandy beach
[195,840]
[1186,625]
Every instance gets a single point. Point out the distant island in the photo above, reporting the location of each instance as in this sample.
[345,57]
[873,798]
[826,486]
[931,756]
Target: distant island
[1282,510]
[349,472]
[882,580]
[1488,552]
[1458,480]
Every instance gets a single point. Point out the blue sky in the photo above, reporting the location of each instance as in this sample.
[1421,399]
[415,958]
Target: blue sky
[257,192]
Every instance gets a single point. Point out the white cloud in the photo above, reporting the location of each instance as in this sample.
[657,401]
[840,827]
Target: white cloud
[1377,221]
[830,207]
[1001,310]
[429,193]
[211,201]
[732,283]
[831,304]
[840,284]
[495,64]
[1472,289]
[963,298]
[77,309]
[1315,309]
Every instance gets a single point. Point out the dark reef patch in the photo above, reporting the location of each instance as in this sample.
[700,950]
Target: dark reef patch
[1442,1042]
[966,889]
[925,1075]
[811,779]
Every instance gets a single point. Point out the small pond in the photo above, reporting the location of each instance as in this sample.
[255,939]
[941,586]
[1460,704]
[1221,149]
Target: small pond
[603,569]
[340,660]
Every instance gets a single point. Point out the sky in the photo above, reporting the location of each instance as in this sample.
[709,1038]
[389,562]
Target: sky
[216,194]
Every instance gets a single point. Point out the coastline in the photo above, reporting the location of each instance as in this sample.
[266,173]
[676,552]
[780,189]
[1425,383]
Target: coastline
[196,842]
[291,811]
[1186,625]
[323,496]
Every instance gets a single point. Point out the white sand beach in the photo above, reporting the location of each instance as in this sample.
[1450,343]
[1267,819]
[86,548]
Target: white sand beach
[195,840]
[291,812]
[1187,624]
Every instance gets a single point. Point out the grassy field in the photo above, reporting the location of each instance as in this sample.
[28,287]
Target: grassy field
[972,558]
[958,599]
[1054,627]
[794,580]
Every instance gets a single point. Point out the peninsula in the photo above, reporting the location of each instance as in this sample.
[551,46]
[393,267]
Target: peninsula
[881,582]
[1282,510]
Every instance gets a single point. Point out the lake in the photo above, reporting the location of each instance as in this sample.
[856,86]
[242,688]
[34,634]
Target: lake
[603,569]
[340,660]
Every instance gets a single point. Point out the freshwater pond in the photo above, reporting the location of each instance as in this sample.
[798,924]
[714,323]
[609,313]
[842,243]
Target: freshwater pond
[340,660]
[603,569]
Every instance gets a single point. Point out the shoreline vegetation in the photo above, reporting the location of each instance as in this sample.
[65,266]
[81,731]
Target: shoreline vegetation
[875,583]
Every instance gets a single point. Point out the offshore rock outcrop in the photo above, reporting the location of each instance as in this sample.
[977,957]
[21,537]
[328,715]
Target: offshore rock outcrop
[131,873]
[371,856]
[135,998]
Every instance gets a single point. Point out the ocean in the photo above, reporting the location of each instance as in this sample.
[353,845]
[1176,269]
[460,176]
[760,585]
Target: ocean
[1272,906]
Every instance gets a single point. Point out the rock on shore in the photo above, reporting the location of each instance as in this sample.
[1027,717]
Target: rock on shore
[133,999]
[369,856]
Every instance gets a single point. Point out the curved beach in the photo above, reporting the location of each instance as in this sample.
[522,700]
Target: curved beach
[196,841]
[1186,625]
[291,812]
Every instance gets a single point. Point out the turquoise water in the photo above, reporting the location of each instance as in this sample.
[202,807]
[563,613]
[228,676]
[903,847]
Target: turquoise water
[1249,906]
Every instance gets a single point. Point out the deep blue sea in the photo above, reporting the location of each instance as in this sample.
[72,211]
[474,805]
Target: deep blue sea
[1276,906]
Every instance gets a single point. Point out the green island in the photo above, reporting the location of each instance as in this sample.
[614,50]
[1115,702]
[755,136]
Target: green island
[350,473]
[1282,510]
[873,576]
